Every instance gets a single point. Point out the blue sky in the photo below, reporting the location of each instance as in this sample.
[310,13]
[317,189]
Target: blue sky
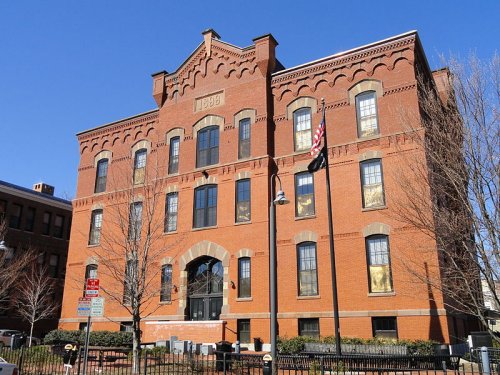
[68,66]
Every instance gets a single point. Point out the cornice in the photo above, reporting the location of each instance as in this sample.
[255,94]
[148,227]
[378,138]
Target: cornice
[341,59]
[118,125]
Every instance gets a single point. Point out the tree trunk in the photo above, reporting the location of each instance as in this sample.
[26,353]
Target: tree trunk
[31,333]
[136,344]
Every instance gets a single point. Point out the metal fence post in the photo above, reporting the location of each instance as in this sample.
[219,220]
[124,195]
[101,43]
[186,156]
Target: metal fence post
[20,362]
[145,362]
[485,361]
[224,363]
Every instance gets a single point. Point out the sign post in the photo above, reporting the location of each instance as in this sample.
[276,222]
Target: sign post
[87,307]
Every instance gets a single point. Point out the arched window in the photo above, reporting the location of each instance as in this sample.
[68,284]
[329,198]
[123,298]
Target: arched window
[302,129]
[173,157]
[244,138]
[205,206]
[304,194]
[367,114]
[95,227]
[379,265]
[101,176]
[207,147]
[166,283]
[307,269]
[372,183]
[244,278]
[140,166]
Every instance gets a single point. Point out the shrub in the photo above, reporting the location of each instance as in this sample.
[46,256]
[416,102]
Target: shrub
[293,345]
[97,338]
[296,344]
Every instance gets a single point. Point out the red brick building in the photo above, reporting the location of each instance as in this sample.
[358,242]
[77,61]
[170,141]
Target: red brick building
[227,119]
[40,222]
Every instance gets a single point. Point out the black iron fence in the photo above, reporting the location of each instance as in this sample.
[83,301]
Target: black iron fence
[43,360]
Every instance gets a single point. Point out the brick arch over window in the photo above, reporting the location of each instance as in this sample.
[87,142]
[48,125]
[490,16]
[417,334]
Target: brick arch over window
[93,260]
[376,228]
[140,145]
[105,154]
[242,175]
[365,85]
[176,132]
[305,236]
[203,248]
[244,253]
[304,101]
[370,155]
[206,121]
[244,113]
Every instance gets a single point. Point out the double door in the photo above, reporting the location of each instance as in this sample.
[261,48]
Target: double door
[205,307]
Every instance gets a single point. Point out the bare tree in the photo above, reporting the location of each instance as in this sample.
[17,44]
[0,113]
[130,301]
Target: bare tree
[34,300]
[452,190]
[12,265]
[132,245]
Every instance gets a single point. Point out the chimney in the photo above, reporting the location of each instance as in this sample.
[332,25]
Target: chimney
[265,47]
[44,188]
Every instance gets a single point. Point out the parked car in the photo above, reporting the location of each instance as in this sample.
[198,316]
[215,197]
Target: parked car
[6,336]
[8,368]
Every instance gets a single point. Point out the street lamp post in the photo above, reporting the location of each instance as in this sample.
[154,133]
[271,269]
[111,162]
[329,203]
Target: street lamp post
[273,283]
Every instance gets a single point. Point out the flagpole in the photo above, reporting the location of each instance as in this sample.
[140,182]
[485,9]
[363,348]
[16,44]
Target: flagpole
[330,235]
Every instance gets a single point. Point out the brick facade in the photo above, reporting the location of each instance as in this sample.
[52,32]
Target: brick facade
[221,85]
[29,233]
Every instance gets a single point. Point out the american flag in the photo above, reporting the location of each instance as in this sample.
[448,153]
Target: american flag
[317,137]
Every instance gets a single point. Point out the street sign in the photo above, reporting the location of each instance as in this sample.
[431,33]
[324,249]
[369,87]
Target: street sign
[97,306]
[92,288]
[84,304]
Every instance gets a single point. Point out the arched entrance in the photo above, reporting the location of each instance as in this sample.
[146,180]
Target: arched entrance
[205,288]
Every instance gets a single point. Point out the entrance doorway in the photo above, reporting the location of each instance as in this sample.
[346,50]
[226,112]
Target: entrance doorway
[205,286]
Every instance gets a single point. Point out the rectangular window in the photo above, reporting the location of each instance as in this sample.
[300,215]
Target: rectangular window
[140,166]
[126,327]
[366,108]
[307,269]
[59,226]
[302,129]
[15,216]
[379,268]
[95,227]
[207,147]
[304,194]
[166,283]
[173,158]
[385,327]
[47,218]
[101,176]
[129,280]
[372,185]
[243,201]
[135,221]
[243,330]
[171,210]
[244,285]
[53,265]
[29,225]
[309,327]
[244,139]
[205,206]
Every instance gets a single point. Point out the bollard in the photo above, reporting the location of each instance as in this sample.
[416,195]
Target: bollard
[485,361]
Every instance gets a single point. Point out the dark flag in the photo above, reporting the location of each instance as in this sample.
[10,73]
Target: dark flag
[318,162]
